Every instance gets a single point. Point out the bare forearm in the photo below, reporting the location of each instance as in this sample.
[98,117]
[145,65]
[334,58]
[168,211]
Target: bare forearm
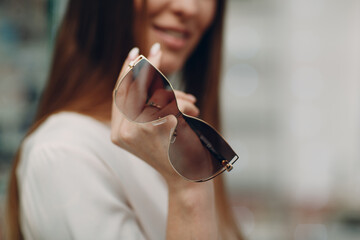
[192,213]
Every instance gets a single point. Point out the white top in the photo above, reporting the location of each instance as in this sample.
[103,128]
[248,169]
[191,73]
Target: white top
[74,183]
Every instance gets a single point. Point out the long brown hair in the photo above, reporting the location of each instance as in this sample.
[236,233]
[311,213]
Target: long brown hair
[91,45]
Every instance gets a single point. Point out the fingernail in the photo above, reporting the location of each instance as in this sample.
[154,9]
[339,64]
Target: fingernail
[159,121]
[191,97]
[154,49]
[133,53]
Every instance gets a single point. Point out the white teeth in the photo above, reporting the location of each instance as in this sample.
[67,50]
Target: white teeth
[175,34]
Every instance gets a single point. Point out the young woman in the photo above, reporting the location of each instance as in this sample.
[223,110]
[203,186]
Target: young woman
[69,179]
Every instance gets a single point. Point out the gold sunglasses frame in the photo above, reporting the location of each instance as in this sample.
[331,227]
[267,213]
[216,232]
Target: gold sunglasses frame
[227,165]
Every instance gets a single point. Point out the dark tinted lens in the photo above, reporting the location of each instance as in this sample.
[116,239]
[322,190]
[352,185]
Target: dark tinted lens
[144,95]
[218,147]
[198,150]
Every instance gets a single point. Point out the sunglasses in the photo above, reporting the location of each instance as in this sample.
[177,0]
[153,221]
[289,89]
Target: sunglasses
[196,151]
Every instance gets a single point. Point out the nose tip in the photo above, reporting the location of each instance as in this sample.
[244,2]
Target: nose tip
[185,7]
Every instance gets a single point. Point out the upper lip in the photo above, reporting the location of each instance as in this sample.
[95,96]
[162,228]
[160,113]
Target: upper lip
[181,30]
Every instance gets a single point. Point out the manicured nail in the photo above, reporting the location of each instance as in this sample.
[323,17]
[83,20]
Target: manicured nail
[155,49]
[133,53]
[159,121]
[191,97]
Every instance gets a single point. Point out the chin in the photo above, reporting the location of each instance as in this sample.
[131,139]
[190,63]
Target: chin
[171,63]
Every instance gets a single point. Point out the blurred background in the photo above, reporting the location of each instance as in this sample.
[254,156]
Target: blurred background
[290,105]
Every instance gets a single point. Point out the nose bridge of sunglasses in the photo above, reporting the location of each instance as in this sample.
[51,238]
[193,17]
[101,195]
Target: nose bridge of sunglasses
[178,115]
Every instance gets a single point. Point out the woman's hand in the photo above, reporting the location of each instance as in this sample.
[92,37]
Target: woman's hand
[150,141]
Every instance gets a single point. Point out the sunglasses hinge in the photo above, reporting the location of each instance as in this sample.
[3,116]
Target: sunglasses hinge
[227,165]
[135,61]
[132,64]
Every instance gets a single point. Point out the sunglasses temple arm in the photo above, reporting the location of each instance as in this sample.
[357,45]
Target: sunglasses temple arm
[206,143]
[210,147]
[215,153]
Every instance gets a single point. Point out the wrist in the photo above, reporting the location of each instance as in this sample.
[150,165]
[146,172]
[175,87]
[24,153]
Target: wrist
[193,204]
[193,195]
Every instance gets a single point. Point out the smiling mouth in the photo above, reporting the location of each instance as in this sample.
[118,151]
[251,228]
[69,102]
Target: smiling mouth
[173,38]
[172,32]
[175,34]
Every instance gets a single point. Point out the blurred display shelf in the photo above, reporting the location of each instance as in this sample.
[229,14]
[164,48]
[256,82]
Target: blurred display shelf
[24,60]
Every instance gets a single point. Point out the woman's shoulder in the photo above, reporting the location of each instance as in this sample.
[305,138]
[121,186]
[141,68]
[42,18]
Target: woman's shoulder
[68,126]
[68,137]
[63,136]
[71,140]
[69,129]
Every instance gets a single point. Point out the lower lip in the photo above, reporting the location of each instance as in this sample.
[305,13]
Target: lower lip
[170,41]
